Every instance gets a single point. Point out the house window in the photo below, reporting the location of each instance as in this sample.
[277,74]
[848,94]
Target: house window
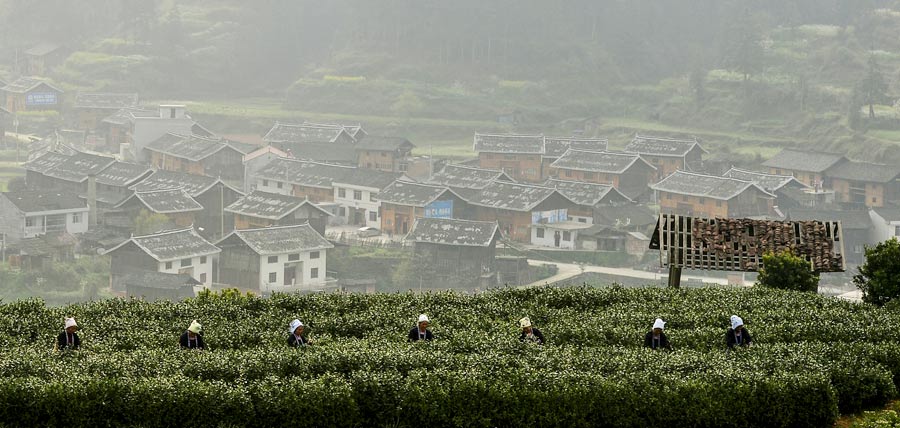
[539,232]
[186,262]
[582,220]
[718,204]
[314,273]
[567,236]
[569,173]
[76,218]
[588,175]
[874,200]
[371,197]
[29,221]
[342,193]
[342,211]
[168,265]
[202,260]
[897,230]
[273,259]
[280,185]
[273,277]
[684,198]
[293,257]
[530,171]
[203,278]
[702,201]
[266,183]
[373,216]
[357,195]
[314,255]
[509,157]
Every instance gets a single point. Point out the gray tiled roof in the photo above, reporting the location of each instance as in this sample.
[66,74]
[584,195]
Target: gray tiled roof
[105,100]
[770,182]
[355,131]
[853,220]
[161,179]
[510,196]
[161,280]
[865,171]
[128,114]
[190,147]
[403,192]
[380,143]
[467,177]
[602,162]
[281,240]
[625,214]
[368,178]
[509,143]
[344,154]
[707,186]
[36,201]
[292,133]
[122,174]
[165,201]
[268,205]
[889,213]
[662,146]
[803,161]
[556,146]
[78,166]
[26,84]
[172,245]
[453,232]
[304,173]
[46,162]
[588,194]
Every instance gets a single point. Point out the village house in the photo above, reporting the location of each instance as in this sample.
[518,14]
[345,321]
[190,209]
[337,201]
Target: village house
[885,223]
[261,209]
[41,252]
[402,202]
[628,173]
[519,208]
[31,94]
[354,194]
[195,154]
[312,180]
[255,161]
[178,206]
[519,156]
[318,143]
[390,154]
[628,217]
[211,193]
[668,154]
[40,58]
[117,127]
[808,167]
[859,184]
[355,131]
[113,182]
[283,258]
[140,127]
[710,196]
[63,172]
[856,226]
[454,251]
[459,177]
[179,251]
[784,187]
[32,213]
[154,286]
[598,237]
[91,108]
[589,197]
[555,147]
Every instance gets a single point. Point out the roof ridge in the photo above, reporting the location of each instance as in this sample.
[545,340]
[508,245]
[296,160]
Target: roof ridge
[169,232]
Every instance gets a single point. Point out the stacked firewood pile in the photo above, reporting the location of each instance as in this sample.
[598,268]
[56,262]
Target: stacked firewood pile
[744,241]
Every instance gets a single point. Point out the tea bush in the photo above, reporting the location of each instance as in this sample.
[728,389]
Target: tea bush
[813,358]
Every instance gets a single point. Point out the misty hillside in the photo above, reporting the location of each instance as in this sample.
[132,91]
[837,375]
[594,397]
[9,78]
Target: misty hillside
[782,73]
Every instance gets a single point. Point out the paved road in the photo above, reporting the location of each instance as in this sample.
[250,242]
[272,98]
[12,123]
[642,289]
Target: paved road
[569,270]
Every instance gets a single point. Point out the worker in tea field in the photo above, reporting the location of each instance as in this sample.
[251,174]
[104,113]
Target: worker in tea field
[68,339]
[737,335]
[296,339]
[421,331]
[193,337]
[656,338]
[530,333]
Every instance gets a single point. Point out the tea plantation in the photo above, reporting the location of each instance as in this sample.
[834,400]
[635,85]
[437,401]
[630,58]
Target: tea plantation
[813,358]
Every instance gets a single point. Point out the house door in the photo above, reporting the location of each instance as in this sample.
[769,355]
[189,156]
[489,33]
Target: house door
[358,217]
[293,273]
[556,238]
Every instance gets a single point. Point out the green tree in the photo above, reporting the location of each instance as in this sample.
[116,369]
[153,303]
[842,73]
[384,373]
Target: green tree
[879,276]
[872,89]
[786,271]
[743,45]
[147,223]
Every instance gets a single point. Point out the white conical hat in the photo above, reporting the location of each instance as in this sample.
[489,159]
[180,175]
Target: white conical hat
[423,318]
[660,324]
[736,321]
[525,322]
[70,322]
[294,324]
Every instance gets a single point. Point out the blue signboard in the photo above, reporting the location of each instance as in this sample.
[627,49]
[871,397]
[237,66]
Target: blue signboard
[552,216]
[439,209]
[40,99]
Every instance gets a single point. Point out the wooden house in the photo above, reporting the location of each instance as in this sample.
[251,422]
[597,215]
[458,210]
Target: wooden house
[456,251]
[402,202]
[710,196]
[211,193]
[313,142]
[588,196]
[92,108]
[62,172]
[41,252]
[307,179]
[40,58]
[180,251]
[178,206]
[283,258]
[260,209]
[32,213]
[668,154]
[782,186]
[113,182]
[31,94]
[519,156]
[555,147]
[195,154]
[458,176]
[155,286]
[859,184]
[807,166]
[390,154]
[628,173]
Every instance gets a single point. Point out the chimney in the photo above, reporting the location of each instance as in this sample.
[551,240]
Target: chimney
[92,200]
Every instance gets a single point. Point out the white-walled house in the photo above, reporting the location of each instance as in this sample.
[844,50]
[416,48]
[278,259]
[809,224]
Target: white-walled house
[181,251]
[562,235]
[282,258]
[29,214]
[355,195]
[885,224]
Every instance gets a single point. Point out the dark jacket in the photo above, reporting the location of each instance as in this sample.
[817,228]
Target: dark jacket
[414,335]
[294,343]
[62,342]
[731,340]
[193,344]
[663,341]
[538,337]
